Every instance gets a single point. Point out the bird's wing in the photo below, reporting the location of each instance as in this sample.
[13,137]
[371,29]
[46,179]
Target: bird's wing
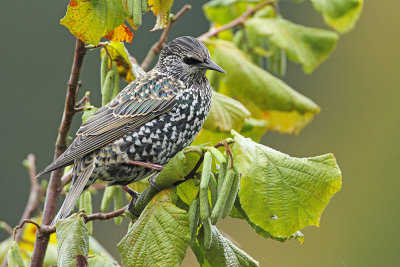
[141,101]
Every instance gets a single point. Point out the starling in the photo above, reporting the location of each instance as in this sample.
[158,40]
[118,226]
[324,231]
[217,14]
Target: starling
[146,124]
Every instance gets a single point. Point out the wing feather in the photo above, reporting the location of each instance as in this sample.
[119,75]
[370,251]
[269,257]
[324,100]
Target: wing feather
[140,102]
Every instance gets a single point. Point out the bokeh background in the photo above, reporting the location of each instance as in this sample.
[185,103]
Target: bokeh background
[358,89]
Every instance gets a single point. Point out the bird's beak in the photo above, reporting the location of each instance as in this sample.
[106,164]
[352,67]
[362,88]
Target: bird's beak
[209,64]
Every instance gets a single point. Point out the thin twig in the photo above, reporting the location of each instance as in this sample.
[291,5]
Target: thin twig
[54,188]
[109,57]
[240,20]
[33,200]
[35,192]
[101,44]
[156,48]
[104,216]
[192,173]
[85,99]
[66,179]
[49,229]
[136,69]
[22,225]
[6,227]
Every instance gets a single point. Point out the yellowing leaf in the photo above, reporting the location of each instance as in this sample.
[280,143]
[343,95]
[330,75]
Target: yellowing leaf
[210,136]
[283,194]
[121,56]
[90,20]
[341,15]
[101,261]
[305,45]
[120,34]
[265,96]
[287,122]
[161,9]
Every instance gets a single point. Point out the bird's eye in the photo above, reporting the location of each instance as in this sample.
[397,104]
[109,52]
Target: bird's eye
[191,60]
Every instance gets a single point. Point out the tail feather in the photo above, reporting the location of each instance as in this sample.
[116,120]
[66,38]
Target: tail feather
[53,166]
[80,178]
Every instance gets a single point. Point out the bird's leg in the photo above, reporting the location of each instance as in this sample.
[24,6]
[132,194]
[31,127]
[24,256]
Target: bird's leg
[146,164]
[152,166]
[131,192]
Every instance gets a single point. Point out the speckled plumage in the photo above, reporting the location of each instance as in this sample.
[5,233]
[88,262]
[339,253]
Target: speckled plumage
[151,120]
[157,141]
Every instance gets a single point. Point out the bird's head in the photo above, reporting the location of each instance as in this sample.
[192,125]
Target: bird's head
[186,57]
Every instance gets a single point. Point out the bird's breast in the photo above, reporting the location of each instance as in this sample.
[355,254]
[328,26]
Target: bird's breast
[156,141]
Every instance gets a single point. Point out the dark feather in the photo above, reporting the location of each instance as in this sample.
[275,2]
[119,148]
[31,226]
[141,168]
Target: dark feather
[140,102]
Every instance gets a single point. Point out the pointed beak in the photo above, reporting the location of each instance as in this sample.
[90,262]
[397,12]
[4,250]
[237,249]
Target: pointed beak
[209,64]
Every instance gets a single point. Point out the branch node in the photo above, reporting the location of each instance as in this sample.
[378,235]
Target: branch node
[156,48]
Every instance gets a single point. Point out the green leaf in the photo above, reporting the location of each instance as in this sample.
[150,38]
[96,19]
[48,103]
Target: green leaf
[72,240]
[85,204]
[223,252]
[283,194]
[254,129]
[225,114]
[341,15]
[101,261]
[224,11]
[96,248]
[90,20]
[259,91]
[200,257]
[14,256]
[209,136]
[159,237]
[238,212]
[188,190]
[305,45]
[176,169]
[88,112]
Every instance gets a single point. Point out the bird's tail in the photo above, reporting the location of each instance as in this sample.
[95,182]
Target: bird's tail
[83,168]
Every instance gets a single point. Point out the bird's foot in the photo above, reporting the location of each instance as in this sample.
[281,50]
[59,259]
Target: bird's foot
[135,195]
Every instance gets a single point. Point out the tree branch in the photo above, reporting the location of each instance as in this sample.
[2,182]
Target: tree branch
[104,216]
[49,229]
[33,200]
[35,192]
[54,188]
[225,143]
[156,48]
[66,179]
[240,20]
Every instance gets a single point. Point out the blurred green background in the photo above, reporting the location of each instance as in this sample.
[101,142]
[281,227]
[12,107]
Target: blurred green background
[358,89]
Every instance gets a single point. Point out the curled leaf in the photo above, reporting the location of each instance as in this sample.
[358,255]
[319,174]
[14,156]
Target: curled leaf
[341,15]
[120,34]
[121,56]
[161,9]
